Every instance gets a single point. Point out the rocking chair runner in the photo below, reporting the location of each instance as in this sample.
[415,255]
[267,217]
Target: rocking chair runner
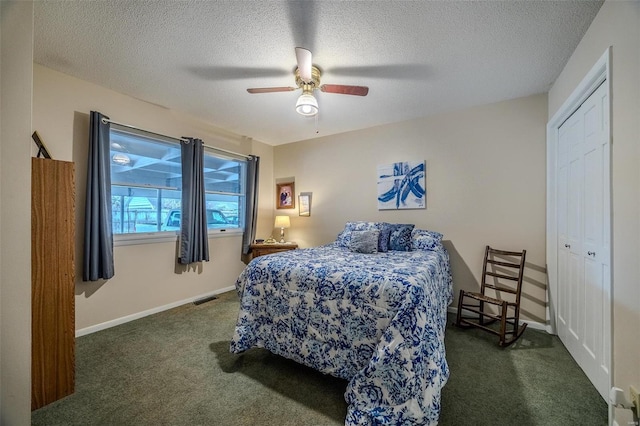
[502,280]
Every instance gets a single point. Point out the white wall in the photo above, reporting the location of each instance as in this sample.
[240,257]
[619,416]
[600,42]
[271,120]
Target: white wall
[618,25]
[485,185]
[16,59]
[146,276]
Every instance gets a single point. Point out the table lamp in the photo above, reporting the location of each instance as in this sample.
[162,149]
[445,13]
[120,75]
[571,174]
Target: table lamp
[282,222]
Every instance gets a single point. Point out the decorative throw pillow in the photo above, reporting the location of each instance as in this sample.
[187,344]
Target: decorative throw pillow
[344,237]
[341,238]
[383,240]
[400,237]
[422,239]
[364,241]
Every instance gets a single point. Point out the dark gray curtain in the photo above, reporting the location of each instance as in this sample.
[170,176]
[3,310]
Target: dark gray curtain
[251,210]
[194,242]
[98,234]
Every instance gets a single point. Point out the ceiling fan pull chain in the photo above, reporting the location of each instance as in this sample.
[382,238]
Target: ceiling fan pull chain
[316,117]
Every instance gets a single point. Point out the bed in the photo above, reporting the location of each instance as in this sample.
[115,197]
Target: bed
[376,319]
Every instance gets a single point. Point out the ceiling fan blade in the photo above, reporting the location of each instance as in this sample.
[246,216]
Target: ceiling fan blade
[303,56]
[345,90]
[271,89]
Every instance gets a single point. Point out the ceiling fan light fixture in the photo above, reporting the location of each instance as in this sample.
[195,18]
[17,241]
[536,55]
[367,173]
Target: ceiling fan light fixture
[307,105]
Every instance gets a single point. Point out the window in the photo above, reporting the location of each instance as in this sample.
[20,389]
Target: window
[146,186]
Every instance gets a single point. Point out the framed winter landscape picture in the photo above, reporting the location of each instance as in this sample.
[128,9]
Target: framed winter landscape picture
[402,186]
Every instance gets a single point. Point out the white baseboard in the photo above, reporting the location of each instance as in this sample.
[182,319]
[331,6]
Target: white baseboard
[138,315]
[531,324]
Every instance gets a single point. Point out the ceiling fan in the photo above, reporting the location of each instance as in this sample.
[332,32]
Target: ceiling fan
[308,79]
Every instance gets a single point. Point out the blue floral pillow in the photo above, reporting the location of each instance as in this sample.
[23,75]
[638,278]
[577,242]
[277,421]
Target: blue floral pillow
[364,241]
[400,237]
[422,239]
[383,240]
[344,237]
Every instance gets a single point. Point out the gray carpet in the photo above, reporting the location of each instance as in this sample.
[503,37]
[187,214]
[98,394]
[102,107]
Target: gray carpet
[174,368]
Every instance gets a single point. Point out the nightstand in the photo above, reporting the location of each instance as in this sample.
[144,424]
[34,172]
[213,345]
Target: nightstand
[265,248]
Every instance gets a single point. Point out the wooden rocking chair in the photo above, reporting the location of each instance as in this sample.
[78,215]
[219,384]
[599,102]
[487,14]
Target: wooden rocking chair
[503,279]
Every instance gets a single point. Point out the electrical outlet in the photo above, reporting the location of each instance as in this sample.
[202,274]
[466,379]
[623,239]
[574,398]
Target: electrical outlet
[635,397]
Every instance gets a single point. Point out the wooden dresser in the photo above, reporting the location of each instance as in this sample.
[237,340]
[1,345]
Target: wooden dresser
[52,281]
[268,248]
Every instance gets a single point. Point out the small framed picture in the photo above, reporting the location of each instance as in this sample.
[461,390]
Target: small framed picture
[285,196]
[304,204]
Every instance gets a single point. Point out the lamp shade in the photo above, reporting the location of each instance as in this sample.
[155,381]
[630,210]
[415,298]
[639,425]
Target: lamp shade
[282,222]
[307,105]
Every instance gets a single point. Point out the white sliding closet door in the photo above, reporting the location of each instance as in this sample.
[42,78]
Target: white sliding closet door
[583,224]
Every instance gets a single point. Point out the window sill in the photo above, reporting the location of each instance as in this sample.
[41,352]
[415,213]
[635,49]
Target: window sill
[167,237]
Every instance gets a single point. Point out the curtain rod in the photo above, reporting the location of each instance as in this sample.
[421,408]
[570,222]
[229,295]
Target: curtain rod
[105,121]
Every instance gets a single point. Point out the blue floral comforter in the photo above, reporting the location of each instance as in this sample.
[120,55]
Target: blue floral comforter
[377,320]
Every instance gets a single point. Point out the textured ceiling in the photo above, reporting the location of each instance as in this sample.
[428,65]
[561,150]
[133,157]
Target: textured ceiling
[417,58]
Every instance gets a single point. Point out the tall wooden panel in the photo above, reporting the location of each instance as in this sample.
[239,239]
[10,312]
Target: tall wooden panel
[52,281]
